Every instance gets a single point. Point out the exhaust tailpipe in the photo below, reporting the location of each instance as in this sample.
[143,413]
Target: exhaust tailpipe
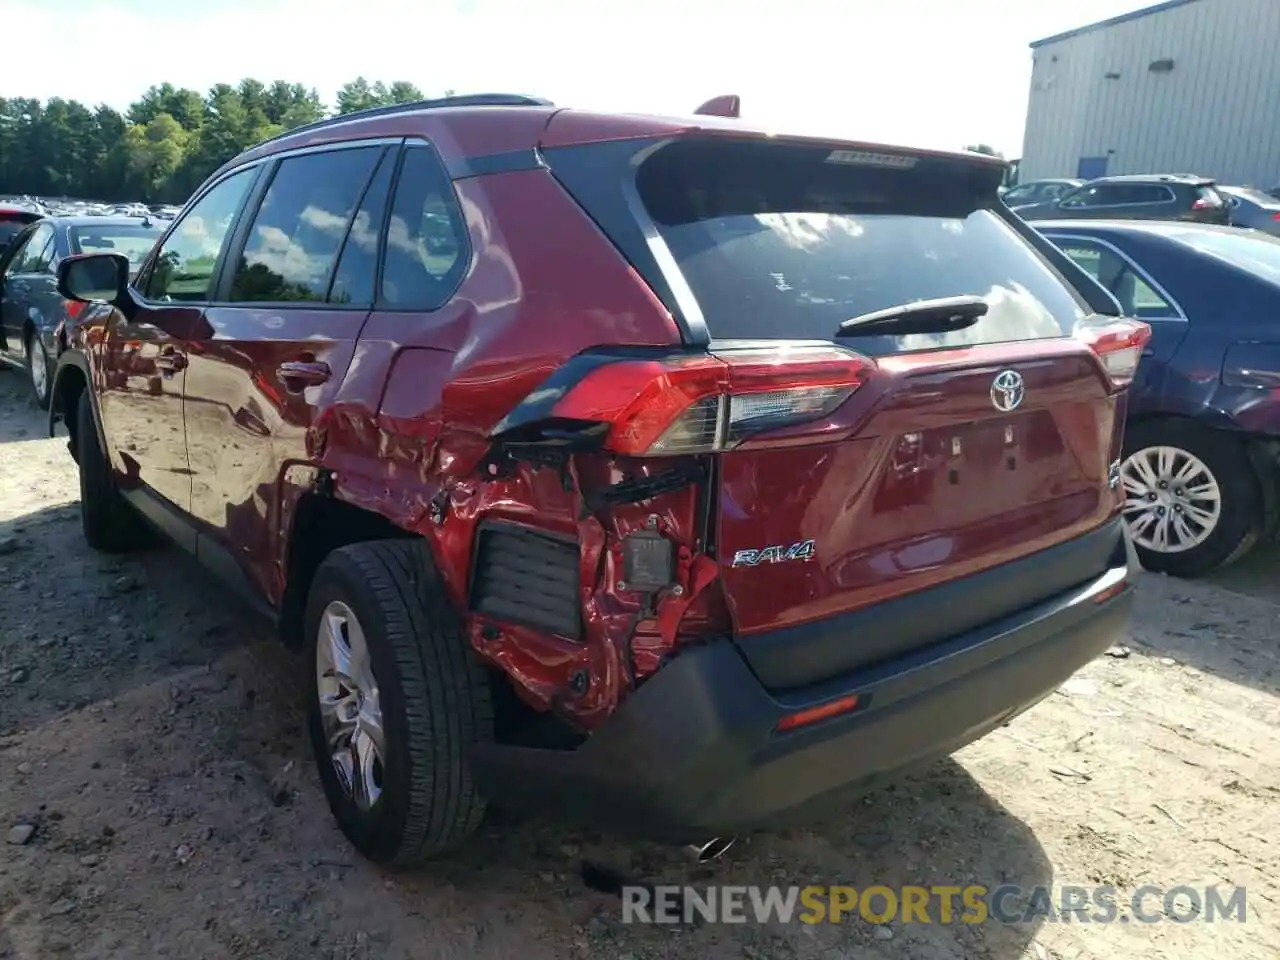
[713,849]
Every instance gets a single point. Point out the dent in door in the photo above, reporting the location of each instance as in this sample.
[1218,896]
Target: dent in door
[246,424]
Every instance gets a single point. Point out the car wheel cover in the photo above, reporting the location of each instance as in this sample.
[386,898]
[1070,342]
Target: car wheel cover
[1172,500]
[350,706]
[38,364]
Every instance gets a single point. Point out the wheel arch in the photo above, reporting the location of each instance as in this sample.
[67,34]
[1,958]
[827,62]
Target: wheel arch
[318,523]
[1263,453]
[71,379]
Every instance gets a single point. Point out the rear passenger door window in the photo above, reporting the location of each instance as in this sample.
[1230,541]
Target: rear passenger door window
[1140,193]
[356,275]
[427,251]
[38,253]
[183,269]
[1137,297]
[296,236]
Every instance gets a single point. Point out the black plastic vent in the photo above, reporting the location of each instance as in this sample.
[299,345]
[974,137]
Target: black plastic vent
[527,578]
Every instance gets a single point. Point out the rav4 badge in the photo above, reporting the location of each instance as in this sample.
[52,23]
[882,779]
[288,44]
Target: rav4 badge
[804,550]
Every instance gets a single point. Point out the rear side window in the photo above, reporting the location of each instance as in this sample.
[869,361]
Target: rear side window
[780,242]
[1137,297]
[1144,193]
[297,233]
[1103,195]
[37,255]
[357,270]
[427,250]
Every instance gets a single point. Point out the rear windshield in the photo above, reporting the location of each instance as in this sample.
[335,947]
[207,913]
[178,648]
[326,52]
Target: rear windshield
[777,241]
[1210,195]
[1256,252]
[135,242]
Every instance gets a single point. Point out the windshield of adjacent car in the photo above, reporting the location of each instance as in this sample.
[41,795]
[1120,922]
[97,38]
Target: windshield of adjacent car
[780,241]
[133,240]
[1256,252]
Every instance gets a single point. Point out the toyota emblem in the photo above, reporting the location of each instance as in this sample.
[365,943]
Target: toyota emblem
[1007,390]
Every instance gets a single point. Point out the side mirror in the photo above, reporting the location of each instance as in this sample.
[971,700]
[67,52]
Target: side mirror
[94,277]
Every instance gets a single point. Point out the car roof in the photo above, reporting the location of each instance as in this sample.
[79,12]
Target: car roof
[1239,191]
[493,124]
[1141,227]
[91,221]
[1184,178]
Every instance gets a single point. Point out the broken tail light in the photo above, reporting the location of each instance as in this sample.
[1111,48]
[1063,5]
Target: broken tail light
[706,403]
[1118,342]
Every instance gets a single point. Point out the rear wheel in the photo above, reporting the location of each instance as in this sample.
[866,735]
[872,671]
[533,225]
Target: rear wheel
[38,369]
[109,523]
[397,698]
[1192,501]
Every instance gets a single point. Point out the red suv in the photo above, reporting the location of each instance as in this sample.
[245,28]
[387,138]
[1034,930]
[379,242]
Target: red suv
[667,474]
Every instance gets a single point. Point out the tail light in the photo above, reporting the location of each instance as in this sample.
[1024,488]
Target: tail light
[705,403]
[1276,216]
[1118,342]
[1207,199]
[74,309]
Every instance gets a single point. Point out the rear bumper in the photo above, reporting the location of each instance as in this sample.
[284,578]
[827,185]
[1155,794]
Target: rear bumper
[695,753]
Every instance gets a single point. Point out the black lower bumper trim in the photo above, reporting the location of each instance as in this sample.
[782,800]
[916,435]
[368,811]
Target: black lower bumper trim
[695,753]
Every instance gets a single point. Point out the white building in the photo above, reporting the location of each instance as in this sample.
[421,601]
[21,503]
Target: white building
[1185,86]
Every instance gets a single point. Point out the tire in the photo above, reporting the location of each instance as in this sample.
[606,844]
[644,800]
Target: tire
[432,696]
[1239,518]
[38,374]
[109,523]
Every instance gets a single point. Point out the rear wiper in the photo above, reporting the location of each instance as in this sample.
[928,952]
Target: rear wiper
[919,316]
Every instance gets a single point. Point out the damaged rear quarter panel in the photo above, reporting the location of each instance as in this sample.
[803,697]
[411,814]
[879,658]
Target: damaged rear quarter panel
[407,434]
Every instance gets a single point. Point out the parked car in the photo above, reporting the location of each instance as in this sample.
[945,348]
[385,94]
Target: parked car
[1038,191]
[33,314]
[1203,435]
[1250,207]
[13,220]
[675,524]
[1164,197]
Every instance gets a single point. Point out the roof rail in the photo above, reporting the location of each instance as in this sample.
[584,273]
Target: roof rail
[465,100]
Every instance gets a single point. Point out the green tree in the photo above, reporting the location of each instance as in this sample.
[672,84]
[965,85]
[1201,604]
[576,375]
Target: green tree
[185,106]
[404,92]
[359,94]
[168,140]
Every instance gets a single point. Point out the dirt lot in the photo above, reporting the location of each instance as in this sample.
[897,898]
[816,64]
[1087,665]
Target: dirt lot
[151,734]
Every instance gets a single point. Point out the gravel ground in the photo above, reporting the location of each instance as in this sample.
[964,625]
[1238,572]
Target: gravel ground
[151,734]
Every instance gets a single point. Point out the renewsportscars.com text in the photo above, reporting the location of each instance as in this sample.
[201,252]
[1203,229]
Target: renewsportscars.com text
[971,904]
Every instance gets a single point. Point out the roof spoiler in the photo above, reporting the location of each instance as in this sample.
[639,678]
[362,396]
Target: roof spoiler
[728,105]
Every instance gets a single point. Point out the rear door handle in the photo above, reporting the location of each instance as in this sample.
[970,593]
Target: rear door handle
[298,374]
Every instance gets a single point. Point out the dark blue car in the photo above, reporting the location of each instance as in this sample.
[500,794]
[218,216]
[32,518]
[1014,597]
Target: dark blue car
[1202,442]
[32,313]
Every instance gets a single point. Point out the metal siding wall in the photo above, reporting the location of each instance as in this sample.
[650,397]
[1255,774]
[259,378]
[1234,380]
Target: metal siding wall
[1216,113]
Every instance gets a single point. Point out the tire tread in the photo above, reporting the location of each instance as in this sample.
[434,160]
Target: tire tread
[445,692]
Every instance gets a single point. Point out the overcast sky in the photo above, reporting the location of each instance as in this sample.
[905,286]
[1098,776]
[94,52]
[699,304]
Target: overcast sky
[929,72]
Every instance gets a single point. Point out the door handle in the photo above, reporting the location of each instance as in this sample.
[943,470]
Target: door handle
[297,375]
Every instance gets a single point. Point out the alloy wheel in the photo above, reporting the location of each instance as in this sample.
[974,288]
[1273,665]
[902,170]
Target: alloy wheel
[38,364]
[1172,499]
[350,708]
